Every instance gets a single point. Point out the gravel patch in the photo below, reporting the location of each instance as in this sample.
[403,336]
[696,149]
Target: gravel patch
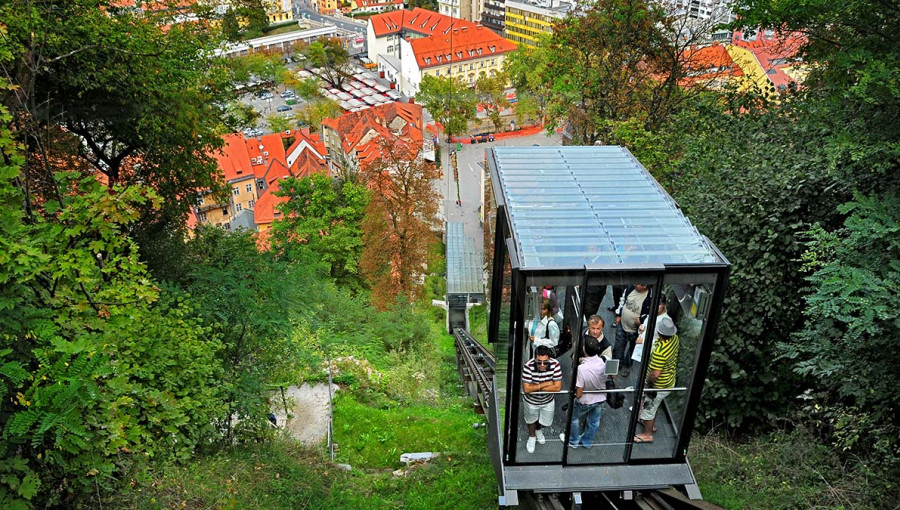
[307,421]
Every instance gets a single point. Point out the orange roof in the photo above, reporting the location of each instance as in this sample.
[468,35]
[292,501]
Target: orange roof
[233,158]
[361,131]
[704,64]
[265,158]
[468,41]
[774,53]
[265,208]
[418,20]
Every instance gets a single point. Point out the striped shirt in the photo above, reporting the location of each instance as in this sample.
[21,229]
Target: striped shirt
[664,358]
[531,375]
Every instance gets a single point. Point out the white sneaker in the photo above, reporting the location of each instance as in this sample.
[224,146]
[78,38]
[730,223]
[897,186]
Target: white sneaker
[540,437]
[562,437]
[529,446]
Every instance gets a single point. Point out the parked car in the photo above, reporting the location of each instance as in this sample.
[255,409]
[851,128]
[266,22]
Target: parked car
[286,94]
[265,94]
[284,108]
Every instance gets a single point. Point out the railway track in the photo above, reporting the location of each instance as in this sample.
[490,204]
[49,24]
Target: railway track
[476,365]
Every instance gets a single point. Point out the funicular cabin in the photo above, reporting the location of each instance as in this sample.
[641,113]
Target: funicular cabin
[586,223]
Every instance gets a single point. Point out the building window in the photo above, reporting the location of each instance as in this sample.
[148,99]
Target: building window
[238,207]
[225,212]
[235,191]
[249,188]
[202,216]
[250,204]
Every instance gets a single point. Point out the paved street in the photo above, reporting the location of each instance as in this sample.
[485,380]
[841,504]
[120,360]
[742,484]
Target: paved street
[339,21]
[470,159]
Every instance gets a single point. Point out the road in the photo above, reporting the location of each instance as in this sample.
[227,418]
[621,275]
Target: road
[339,21]
[469,161]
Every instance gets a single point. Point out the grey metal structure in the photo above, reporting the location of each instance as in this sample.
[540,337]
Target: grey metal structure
[590,221]
[465,276]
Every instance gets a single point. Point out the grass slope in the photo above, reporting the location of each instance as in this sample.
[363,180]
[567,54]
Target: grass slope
[372,428]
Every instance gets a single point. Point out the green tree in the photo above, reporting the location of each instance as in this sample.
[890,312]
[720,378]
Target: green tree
[231,28]
[279,122]
[308,89]
[850,99]
[450,102]
[491,92]
[120,97]
[331,56]
[849,316]
[250,300]
[616,61]
[320,225]
[254,13]
[526,68]
[314,112]
[116,373]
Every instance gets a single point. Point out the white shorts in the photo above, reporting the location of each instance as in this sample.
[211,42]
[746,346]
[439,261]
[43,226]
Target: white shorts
[651,405]
[541,413]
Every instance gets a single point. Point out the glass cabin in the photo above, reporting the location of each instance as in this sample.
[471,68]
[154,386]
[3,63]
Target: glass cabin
[587,223]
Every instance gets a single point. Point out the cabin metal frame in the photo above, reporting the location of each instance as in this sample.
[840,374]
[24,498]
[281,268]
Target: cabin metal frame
[575,217]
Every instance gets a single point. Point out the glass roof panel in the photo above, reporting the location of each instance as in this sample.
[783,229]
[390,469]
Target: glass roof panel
[464,273]
[571,206]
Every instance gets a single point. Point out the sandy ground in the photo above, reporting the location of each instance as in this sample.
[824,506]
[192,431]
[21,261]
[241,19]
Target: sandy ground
[308,407]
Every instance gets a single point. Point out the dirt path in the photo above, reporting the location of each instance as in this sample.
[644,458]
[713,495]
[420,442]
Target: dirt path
[308,406]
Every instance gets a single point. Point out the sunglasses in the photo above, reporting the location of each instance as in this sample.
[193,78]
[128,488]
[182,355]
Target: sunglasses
[542,363]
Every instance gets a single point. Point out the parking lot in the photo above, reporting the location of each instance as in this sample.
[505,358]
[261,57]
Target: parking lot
[360,91]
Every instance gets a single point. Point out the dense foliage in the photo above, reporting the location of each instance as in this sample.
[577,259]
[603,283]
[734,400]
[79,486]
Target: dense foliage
[799,192]
[450,101]
[321,225]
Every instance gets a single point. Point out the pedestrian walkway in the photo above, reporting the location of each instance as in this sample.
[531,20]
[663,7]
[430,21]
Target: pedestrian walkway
[435,128]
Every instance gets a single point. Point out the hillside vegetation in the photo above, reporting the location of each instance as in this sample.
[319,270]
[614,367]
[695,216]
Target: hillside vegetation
[137,358]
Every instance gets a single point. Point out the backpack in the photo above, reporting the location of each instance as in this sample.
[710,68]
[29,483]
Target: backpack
[614,400]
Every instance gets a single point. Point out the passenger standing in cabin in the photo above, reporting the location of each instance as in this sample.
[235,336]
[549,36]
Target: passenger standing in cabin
[542,373]
[660,375]
[642,331]
[633,309]
[550,294]
[591,377]
[546,331]
[595,330]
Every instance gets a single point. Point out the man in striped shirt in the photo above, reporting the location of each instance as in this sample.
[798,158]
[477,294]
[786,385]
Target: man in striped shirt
[540,374]
[660,375]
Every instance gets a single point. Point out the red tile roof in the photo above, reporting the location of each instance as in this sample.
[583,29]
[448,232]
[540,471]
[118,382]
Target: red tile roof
[361,131]
[265,158]
[708,63]
[418,20]
[465,42]
[774,54]
[234,161]
[265,208]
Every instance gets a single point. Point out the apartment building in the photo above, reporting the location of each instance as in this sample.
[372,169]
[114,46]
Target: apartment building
[421,42]
[525,21]
[251,167]
[354,138]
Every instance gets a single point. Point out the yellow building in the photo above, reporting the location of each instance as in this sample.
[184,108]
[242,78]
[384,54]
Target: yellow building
[278,11]
[328,6]
[527,21]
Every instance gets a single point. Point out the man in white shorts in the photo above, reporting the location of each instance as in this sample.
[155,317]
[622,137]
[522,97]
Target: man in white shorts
[540,374]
